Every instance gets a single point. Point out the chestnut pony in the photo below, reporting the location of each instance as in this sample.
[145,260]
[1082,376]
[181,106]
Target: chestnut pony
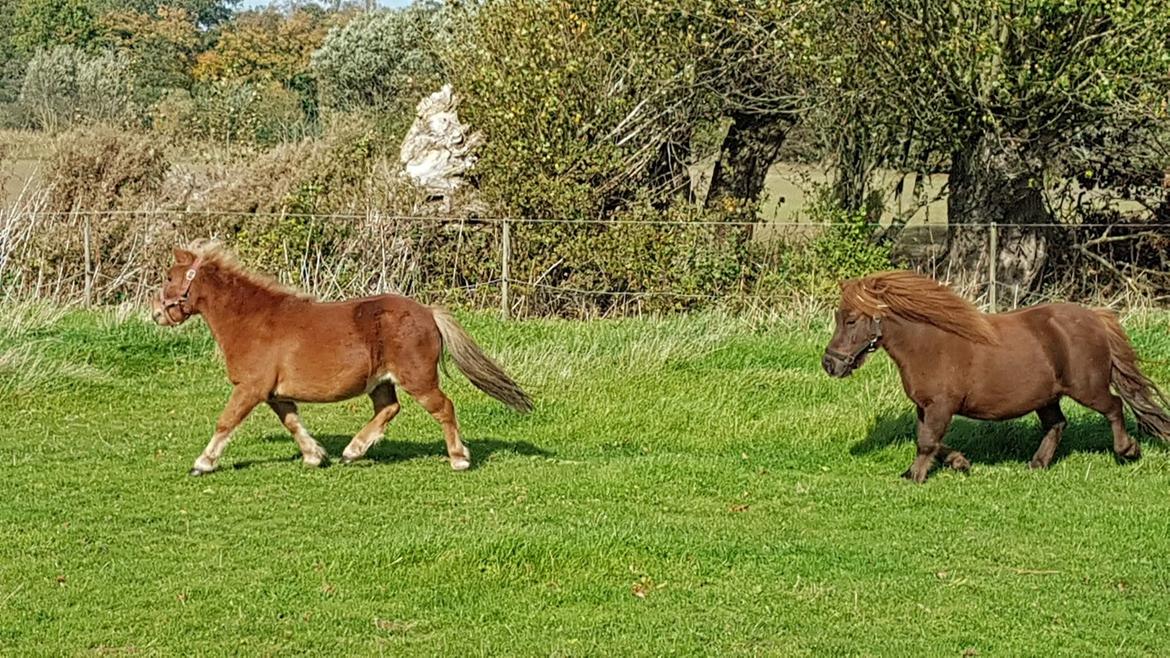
[282,347]
[956,360]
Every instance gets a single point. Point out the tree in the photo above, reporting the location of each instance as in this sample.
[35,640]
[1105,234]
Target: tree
[266,48]
[207,13]
[161,48]
[9,62]
[37,24]
[763,61]
[382,60]
[997,90]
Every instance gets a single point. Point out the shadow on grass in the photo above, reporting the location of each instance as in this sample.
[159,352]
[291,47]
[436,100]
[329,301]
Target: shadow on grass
[994,442]
[399,451]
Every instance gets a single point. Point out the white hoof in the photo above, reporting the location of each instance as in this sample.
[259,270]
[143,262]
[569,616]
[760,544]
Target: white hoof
[460,464]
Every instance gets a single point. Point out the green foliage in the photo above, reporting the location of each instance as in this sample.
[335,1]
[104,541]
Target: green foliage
[42,24]
[161,49]
[10,64]
[207,13]
[848,245]
[65,86]
[1030,75]
[232,112]
[384,60]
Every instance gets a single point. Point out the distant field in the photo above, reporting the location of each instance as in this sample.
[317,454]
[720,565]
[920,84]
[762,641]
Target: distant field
[693,485]
[784,197]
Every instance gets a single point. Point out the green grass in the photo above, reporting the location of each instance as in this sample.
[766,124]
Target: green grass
[693,485]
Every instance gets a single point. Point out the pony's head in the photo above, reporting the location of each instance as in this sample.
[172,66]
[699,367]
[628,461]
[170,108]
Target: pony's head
[865,302]
[856,335]
[174,306]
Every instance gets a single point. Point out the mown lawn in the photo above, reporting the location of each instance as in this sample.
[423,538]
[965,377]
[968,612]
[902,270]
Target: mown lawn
[694,485]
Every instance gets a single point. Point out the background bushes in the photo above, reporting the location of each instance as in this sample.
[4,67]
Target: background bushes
[634,138]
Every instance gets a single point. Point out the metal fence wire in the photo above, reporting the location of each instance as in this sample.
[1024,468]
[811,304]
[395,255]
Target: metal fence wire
[112,256]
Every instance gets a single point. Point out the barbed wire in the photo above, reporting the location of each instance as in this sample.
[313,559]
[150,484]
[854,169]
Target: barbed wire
[529,291]
[520,219]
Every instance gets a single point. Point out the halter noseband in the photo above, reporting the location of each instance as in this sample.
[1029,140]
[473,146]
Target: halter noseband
[182,299]
[866,348]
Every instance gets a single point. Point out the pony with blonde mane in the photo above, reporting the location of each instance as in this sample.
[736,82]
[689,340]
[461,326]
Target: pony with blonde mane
[282,347]
[954,359]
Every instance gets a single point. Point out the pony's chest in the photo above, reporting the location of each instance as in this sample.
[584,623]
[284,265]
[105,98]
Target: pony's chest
[934,379]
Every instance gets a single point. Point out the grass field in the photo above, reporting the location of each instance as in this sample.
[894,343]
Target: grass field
[693,485]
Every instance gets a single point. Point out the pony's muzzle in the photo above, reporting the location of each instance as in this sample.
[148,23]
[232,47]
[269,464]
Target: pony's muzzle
[835,367]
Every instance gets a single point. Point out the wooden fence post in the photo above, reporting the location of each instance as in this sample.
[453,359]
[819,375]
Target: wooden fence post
[506,270]
[992,264]
[88,263]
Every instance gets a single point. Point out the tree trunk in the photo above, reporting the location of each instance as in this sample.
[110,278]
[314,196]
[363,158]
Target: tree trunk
[669,178]
[989,185]
[752,143]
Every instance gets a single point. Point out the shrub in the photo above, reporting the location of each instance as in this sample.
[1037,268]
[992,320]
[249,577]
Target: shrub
[103,169]
[64,87]
[847,244]
[234,112]
[48,94]
[383,60]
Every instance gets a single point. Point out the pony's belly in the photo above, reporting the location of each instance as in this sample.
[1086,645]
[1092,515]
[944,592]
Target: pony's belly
[323,391]
[979,414]
[1003,409]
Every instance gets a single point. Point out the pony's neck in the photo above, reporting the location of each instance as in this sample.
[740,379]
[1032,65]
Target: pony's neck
[226,298]
[900,337]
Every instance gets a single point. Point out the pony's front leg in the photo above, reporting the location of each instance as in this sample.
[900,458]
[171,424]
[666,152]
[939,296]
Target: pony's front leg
[932,425]
[239,405]
[312,453]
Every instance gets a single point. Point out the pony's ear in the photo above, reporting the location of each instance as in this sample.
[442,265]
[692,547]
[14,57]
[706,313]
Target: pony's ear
[184,257]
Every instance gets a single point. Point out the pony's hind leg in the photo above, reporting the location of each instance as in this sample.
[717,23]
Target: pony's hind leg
[1125,448]
[240,404]
[1110,406]
[311,452]
[1053,421]
[385,408]
[440,407]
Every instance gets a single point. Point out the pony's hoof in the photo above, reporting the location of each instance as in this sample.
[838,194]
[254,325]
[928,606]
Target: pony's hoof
[1037,465]
[196,472]
[319,462]
[916,478]
[961,464]
[345,461]
[1130,454]
[460,464]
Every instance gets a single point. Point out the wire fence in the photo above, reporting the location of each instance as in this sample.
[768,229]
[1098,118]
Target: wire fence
[575,266]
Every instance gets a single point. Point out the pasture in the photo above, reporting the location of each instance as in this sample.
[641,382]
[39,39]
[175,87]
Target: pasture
[691,485]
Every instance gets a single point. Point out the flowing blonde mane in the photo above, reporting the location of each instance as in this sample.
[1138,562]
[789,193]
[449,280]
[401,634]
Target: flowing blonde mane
[918,298]
[215,253]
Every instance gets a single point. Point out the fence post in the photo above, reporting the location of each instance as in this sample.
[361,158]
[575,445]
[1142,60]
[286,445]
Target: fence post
[992,263]
[506,269]
[88,263]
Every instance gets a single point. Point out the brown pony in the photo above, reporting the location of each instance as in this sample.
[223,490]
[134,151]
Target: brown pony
[956,360]
[282,347]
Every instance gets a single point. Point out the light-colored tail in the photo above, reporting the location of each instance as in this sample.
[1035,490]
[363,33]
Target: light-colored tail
[480,369]
[1142,396]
